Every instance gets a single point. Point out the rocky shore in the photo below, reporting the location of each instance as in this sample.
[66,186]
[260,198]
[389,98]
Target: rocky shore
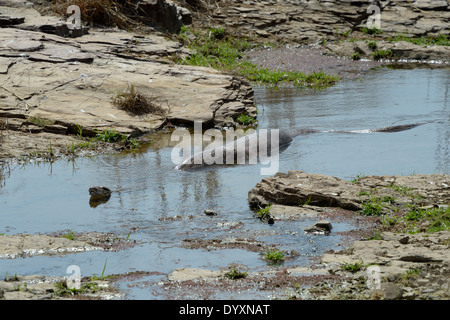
[57,90]
[404,257]
[57,83]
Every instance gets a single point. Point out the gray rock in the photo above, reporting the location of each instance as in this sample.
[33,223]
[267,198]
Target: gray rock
[210,212]
[391,291]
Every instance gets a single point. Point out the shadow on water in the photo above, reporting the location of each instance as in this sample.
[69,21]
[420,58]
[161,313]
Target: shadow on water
[160,207]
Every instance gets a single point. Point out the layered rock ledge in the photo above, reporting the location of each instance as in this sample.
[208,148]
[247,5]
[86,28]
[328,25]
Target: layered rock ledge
[332,23]
[297,188]
[405,258]
[63,84]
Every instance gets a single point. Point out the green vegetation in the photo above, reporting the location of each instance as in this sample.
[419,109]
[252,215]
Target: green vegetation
[40,122]
[427,220]
[383,54]
[353,267]
[402,189]
[372,207]
[69,235]
[412,273]
[233,273]
[403,215]
[264,213]
[356,56]
[220,51]
[358,177]
[372,45]
[376,236]
[371,31]
[274,256]
[439,40]
[245,119]
[112,136]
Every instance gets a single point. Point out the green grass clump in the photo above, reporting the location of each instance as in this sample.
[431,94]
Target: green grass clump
[110,136]
[439,40]
[245,119]
[274,256]
[434,220]
[69,235]
[264,213]
[222,52]
[356,56]
[371,31]
[372,207]
[383,54]
[233,273]
[352,267]
[372,45]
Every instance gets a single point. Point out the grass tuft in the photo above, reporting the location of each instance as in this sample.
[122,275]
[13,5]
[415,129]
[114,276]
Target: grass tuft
[274,256]
[135,103]
[222,52]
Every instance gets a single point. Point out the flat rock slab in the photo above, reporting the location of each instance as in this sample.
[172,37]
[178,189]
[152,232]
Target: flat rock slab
[73,81]
[15,246]
[297,188]
[186,274]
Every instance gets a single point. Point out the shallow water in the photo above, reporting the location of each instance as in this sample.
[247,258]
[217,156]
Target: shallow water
[45,198]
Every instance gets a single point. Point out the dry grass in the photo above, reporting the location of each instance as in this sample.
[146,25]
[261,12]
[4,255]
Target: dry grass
[137,104]
[104,12]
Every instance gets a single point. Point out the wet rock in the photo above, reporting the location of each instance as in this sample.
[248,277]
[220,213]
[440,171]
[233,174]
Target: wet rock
[99,195]
[210,212]
[297,188]
[321,227]
[29,245]
[100,191]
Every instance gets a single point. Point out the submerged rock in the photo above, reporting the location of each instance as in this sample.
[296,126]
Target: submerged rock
[321,227]
[100,191]
[99,195]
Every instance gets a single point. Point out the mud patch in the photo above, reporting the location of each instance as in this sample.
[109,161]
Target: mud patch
[229,243]
[309,59]
[262,285]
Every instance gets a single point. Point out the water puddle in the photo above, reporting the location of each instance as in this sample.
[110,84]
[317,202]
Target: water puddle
[163,209]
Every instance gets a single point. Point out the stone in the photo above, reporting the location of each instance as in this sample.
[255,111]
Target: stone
[210,212]
[391,291]
[324,224]
[404,240]
[99,191]
[72,81]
